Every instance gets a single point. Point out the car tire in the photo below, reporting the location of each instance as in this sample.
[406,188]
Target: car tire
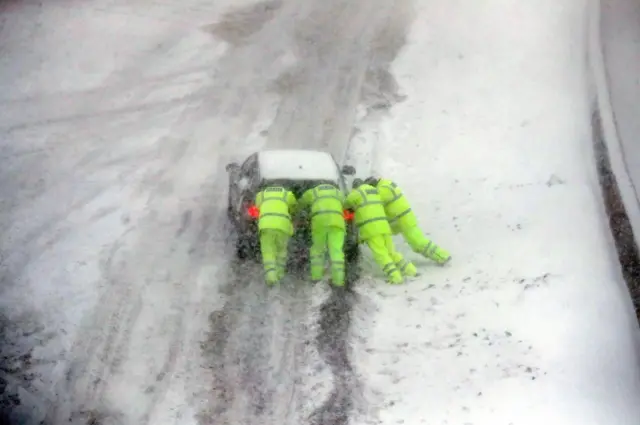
[246,248]
[352,252]
[352,263]
[351,246]
[242,248]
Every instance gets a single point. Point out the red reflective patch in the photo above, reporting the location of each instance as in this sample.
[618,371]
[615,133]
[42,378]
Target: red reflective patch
[253,211]
[348,215]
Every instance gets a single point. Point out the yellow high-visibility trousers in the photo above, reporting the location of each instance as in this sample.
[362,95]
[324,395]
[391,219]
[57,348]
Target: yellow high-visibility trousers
[273,246]
[384,251]
[327,239]
[422,245]
[406,267]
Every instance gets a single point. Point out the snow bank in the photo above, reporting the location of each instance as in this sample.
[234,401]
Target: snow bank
[531,322]
[605,72]
[615,127]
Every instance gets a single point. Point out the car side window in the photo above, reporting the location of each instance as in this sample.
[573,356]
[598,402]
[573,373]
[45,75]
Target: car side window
[249,173]
[253,175]
[248,168]
[341,180]
[343,185]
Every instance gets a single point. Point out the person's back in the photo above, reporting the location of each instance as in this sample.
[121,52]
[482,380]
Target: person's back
[396,206]
[370,216]
[403,220]
[326,203]
[275,205]
[374,229]
[328,231]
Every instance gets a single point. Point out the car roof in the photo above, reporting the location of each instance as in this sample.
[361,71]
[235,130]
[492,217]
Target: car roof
[297,164]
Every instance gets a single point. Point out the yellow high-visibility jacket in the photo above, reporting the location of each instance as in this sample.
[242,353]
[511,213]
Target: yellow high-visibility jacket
[326,202]
[276,205]
[396,206]
[370,216]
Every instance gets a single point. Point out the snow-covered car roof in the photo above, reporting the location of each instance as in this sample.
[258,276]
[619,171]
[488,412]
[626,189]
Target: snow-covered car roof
[294,164]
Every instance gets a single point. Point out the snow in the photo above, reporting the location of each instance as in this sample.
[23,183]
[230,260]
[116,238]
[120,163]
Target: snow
[531,322]
[99,101]
[117,269]
[298,164]
[115,251]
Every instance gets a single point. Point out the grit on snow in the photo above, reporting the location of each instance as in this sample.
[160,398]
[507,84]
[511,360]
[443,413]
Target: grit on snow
[122,303]
[531,323]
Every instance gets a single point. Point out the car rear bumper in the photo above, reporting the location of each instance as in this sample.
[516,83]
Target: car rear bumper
[299,243]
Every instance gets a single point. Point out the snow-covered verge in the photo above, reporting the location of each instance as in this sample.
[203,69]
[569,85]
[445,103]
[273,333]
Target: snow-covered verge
[531,323]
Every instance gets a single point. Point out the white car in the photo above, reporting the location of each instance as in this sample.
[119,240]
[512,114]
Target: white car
[295,170]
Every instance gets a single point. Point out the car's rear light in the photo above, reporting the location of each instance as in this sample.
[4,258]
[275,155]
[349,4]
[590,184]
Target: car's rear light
[348,215]
[253,211]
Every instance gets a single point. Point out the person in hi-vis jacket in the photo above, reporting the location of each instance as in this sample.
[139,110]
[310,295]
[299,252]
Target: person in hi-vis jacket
[403,220]
[276,205]
[374,230]
[328,231]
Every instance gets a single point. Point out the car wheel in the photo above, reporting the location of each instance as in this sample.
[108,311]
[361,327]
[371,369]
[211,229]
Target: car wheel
[352,248]
[352,252]
[242,248]
[246,247]
[352,263]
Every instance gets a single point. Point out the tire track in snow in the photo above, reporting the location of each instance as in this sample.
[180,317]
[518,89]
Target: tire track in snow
[99,350]
[291,354]
[139,331]
[327,46]
[132,272]
[165,250]
[332,341]
[377,92]
[260,351]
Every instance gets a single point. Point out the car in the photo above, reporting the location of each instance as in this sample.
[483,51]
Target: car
[296,170]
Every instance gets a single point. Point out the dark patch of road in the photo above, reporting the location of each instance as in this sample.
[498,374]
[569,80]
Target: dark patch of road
[619,223]
[333,344]
[19,403]
[322,59]
[238,349]
[235,349]
[252,347]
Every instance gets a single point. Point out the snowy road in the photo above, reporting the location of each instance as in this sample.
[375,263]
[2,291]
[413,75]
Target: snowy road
[118,286]
[121,302]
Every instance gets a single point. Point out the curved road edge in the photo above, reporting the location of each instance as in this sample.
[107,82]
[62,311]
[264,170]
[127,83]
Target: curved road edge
[619,194]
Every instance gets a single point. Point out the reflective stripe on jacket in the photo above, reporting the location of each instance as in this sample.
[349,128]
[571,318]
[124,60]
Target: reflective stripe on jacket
[396,206]
[369,212]
[326,203]
[276,205]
